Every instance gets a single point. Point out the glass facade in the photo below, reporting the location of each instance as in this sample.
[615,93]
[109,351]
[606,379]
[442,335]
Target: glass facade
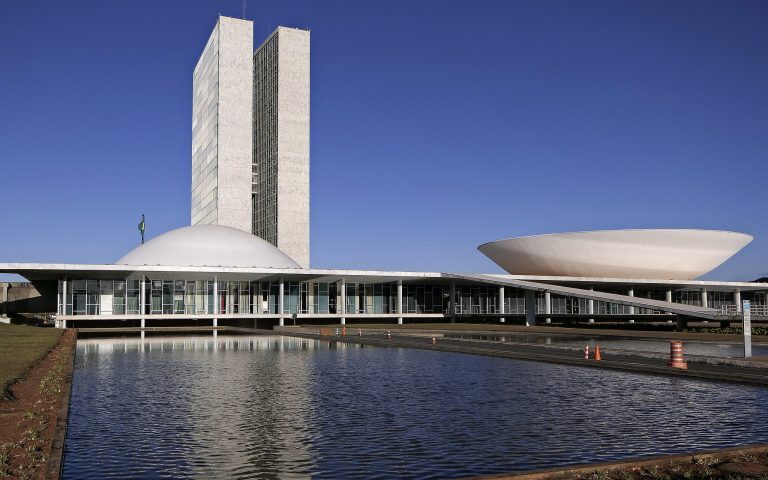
[264,167]
[230,297]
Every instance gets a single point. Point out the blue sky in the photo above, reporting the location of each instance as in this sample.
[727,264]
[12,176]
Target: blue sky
[436,125]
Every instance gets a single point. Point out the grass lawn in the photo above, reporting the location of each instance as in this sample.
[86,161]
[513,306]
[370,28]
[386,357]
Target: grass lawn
[20,348]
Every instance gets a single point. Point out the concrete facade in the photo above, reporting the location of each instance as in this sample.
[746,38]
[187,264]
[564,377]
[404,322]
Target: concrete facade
[250,135]
[663,253]
[281,142]
[222,135]
[24,297]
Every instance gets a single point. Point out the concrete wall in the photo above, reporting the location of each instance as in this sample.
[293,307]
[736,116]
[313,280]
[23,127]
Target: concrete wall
[205,101]
[235,123]
[22,297]
[293,144]
[222,127]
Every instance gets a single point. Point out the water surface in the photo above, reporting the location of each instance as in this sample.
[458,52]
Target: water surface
[274,407]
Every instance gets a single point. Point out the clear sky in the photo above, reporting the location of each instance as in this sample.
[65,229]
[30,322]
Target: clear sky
[435,125]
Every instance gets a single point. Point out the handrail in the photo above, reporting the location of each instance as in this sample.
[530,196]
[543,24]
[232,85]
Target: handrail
[732,311]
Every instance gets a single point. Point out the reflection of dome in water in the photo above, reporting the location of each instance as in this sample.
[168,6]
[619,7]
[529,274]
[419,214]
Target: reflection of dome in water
[671,254]
[208,245]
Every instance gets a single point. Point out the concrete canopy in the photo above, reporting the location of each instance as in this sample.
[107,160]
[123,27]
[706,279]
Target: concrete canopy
[208,245]
[669,254]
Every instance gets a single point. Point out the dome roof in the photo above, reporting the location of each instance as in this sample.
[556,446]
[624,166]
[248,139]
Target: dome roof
[670,254]
[208,245]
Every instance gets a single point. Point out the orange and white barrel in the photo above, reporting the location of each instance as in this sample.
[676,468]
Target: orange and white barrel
[676,355]
[586,352]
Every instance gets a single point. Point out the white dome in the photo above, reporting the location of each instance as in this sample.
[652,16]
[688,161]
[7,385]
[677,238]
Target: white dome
[670,254]
[208,245]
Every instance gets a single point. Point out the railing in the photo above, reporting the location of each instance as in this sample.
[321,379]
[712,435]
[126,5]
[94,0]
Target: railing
[732,311]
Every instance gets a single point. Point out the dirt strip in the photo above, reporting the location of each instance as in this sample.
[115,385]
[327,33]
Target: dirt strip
[33,425]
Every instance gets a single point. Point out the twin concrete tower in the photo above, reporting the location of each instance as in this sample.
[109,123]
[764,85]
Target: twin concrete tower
[250,135]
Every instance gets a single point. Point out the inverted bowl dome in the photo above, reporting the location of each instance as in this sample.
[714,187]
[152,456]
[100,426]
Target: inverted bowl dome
[208,245]
[669,254]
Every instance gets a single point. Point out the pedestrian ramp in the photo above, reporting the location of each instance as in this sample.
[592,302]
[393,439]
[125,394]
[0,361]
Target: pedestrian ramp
[669,307]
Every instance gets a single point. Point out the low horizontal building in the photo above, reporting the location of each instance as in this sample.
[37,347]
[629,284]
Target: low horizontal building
[212,275]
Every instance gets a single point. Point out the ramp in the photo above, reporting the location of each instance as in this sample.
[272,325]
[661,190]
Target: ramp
[670,307]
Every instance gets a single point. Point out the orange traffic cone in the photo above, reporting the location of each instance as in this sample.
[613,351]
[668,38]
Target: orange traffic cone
[597,353]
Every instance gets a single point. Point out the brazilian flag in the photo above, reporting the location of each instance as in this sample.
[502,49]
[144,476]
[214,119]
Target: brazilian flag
[141,227]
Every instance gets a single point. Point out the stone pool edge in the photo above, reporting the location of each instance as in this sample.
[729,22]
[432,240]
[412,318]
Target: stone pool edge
[632,463]
[55,461]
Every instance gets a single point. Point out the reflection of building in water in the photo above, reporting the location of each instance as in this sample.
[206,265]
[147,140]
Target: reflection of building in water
[266,380]
[197,343]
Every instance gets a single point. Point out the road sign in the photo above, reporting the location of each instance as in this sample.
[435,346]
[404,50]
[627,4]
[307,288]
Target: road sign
[746,316]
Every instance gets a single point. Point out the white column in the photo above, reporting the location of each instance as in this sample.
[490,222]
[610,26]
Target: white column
[142,284]
[704,299]
[400,302]
[63,296]
[547,307]
[737,298]
[215,308]
[311,297]
[343,301]
[668,298]
[215,303]
[591,307]
[281,302]
[631,293]
[502,310]
[142,299]
[63,324]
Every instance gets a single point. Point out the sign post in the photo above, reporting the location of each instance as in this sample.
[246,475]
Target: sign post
[747,328]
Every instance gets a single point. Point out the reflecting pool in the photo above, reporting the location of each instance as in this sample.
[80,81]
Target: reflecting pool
[270,406]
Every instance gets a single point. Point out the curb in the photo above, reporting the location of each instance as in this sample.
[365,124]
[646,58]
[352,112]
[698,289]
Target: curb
[568,472]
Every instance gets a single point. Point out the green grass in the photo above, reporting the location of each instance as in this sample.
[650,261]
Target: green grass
[20,348]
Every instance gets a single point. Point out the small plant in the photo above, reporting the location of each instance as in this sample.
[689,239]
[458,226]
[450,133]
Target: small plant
[596,475]
[655,472]
[624,475]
